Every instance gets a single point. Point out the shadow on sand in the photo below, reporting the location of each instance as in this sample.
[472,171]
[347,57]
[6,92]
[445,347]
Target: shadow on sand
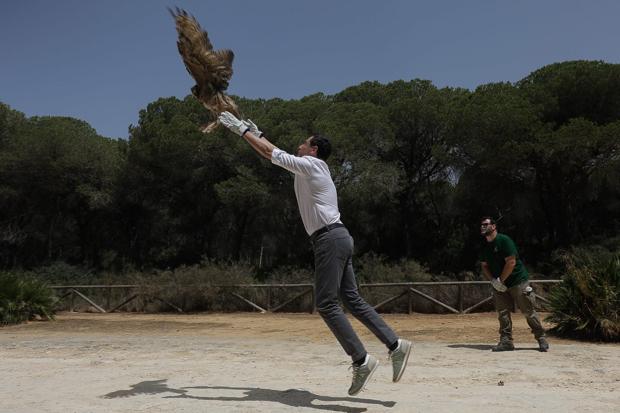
[487,347]
[290,397]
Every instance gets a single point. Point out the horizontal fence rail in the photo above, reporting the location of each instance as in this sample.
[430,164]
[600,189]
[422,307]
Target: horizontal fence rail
[398,291]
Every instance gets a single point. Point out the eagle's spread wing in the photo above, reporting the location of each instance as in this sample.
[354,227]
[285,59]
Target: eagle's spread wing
[211,69]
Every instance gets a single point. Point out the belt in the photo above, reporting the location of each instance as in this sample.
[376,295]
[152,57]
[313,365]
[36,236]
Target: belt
[325,229]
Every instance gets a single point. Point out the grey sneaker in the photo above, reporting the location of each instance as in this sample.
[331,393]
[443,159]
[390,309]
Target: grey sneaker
[504,345]
[362,374]
[399,357]
[543,345]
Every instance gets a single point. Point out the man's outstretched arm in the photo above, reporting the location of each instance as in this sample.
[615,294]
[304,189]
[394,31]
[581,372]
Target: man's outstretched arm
[260,145]
[245,129]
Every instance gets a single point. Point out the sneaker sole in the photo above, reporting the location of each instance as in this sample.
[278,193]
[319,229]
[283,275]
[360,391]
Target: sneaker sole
[402,370]
[366,381]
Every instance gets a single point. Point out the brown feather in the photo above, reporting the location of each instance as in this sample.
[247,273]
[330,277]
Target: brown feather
[211,69]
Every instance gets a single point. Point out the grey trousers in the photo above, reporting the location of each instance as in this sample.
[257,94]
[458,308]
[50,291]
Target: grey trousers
[334,280]
[526,303]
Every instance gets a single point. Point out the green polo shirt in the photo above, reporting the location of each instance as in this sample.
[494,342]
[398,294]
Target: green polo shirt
[494,253]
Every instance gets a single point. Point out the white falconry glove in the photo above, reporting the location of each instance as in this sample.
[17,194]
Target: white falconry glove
[498,285]
[253,128]
[231,122]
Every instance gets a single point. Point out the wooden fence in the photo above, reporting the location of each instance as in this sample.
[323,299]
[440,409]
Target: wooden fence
[408,291]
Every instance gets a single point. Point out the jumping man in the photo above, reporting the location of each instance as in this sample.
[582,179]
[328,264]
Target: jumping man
[333,250]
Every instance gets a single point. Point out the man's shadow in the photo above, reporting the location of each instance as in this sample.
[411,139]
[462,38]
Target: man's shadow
[486,347]
[290,397]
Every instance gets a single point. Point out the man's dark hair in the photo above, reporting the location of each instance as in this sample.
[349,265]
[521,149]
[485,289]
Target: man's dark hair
[323,146]
[491,220]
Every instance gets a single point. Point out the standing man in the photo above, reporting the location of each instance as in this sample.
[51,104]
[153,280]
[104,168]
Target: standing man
[333,249]
[502,266]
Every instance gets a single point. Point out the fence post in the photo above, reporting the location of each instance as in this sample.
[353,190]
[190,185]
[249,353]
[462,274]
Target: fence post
[460,298]
[268,306]
[410,301]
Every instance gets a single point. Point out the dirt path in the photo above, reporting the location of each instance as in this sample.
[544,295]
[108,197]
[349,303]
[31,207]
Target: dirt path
[290,362]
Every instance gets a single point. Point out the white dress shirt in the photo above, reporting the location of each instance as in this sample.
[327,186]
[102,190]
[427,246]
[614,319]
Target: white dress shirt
[314,189]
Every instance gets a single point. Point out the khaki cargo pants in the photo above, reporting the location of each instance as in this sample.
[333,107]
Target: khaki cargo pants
[526,301]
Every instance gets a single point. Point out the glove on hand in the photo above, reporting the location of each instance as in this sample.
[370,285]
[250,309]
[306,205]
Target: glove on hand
[498,285]
[231,122]
[253,128]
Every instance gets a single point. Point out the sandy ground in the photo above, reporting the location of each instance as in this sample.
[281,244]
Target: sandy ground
[290,362]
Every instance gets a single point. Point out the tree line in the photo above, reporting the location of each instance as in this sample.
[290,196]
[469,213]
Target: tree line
[415,166]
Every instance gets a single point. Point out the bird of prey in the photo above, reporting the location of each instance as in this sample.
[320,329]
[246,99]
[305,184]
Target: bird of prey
[211,69]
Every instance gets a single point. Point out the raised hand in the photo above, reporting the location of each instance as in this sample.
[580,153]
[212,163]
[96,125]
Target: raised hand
[231,122]
[253,128]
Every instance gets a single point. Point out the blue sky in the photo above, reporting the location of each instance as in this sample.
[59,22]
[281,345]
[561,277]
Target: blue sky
[103,61]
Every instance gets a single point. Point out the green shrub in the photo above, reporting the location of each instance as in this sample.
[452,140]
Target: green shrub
[61,273]
[373,268]
[192,288]
[587,303]
[290,275]
[22,297]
